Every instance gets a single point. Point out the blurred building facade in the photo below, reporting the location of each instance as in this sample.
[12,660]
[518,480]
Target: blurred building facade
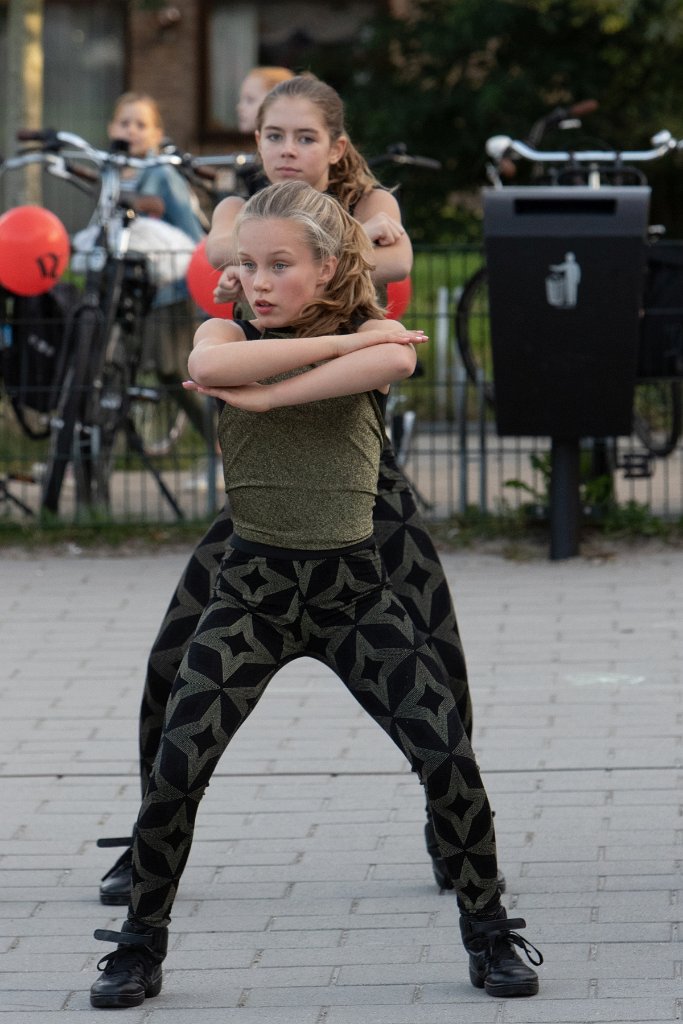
[191,55]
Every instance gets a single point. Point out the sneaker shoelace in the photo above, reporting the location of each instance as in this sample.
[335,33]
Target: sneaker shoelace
[533,955]
[502,937]
[123,960]
[133,950]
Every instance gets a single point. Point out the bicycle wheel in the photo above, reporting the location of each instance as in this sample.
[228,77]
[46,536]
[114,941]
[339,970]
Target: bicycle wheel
[156,415]
[657,415]
[473,332]
[65,424]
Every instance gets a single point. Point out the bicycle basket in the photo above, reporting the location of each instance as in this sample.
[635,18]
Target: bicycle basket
[34,350]
[167,248]
[661,335]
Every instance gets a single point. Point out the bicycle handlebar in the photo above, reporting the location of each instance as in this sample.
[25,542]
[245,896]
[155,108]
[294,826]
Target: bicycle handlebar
[57,165]
[45,136]
[51,144]
[498,147]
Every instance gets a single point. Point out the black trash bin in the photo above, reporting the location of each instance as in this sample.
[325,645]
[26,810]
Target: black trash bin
[566,269]
[565,290]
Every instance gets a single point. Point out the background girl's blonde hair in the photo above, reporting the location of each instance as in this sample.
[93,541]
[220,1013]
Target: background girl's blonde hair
[139,97]
[271,75]
[349,297]
[350,177]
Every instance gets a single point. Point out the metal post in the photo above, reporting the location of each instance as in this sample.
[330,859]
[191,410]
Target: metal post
[441,342]
[565,504]
[23,75]
[483,464]
[461,414]
[211,457]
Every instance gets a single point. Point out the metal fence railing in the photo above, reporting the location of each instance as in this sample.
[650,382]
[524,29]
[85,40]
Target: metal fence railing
[454,465]
[461,463]
[456,461]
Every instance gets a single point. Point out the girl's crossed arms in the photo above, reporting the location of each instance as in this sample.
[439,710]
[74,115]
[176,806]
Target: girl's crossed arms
[318,296]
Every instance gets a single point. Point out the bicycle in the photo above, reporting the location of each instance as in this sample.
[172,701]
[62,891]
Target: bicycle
[106,381]
[657,415]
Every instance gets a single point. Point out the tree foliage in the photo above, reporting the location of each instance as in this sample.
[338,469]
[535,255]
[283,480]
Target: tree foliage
[454,72]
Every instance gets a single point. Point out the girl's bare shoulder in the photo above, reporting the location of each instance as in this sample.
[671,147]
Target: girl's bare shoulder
[377,200]
[225,212]
[216,329]
[381,325]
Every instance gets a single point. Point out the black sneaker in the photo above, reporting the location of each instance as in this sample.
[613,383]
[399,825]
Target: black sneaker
[115,885]
[494,964]
[441,876]
[131,973]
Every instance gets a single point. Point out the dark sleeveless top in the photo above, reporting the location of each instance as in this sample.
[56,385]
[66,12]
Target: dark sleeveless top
[303,477]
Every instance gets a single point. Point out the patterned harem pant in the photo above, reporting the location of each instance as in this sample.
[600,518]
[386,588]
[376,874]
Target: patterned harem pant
[266,611]
[414,570]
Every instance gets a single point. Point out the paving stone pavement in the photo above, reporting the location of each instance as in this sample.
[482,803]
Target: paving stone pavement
[308,898]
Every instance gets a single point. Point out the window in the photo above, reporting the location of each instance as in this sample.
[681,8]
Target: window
[300,35]
[232,51]
[84,65]
[84,72]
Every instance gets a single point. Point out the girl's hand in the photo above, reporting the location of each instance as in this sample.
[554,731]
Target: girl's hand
[378,335]
[249,397]
[382,229]
[229,286]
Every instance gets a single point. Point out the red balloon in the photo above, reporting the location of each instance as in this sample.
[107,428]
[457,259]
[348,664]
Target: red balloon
[34,250]
[201,279]
[398,298]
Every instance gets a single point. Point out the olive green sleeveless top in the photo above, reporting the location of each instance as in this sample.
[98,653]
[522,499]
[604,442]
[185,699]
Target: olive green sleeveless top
[304,476]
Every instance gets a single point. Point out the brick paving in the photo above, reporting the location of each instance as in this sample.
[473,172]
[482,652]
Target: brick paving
[308,898]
